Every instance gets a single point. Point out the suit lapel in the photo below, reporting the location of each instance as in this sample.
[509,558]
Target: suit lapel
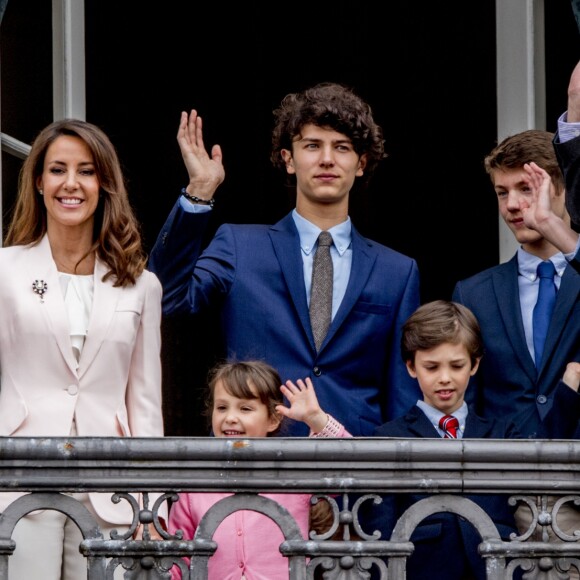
[507,294]
[105,299]
[419,425]
[41,266]
[476,427]
[566,299]
[286,244]
[363,259]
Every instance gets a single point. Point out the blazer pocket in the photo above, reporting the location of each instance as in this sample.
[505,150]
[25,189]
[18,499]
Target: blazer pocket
[127,319]
[372,308]
[130,302]
[124,327]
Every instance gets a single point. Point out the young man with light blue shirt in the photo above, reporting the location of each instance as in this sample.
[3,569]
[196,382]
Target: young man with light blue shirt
[515,381]
[259,276]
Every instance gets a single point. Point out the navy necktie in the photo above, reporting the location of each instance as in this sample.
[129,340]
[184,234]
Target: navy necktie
[544,308]
[449,425]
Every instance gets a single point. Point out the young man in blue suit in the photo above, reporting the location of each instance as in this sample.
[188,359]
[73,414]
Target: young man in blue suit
[442,347]
[259,276]
[510,382]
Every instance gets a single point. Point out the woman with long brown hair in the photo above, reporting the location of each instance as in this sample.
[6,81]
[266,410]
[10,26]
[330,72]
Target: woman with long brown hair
[80,326]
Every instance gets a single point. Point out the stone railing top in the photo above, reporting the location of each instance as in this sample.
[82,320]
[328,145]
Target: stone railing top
[289,464]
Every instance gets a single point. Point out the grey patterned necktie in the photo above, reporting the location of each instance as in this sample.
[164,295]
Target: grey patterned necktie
[321,289]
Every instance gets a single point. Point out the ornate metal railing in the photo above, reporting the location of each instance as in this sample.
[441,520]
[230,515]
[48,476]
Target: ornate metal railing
[524,470]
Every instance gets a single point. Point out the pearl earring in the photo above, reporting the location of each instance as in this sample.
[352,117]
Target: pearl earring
[41,192]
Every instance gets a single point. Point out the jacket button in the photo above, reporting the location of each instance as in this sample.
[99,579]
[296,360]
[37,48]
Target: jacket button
[73,389]
[542,399]
[317,371]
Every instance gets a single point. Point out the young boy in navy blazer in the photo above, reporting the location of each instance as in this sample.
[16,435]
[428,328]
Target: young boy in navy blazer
[442,347]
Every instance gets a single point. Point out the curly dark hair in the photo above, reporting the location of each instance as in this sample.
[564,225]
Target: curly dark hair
[333,106]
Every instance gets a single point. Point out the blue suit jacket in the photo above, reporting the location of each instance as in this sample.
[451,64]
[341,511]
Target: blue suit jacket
[254,275]
[445,544]
[507,383]
[444,534]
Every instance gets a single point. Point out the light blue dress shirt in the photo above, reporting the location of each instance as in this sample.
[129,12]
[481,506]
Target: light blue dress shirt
[567,131]
[529,284]
[192,207]
[340,251]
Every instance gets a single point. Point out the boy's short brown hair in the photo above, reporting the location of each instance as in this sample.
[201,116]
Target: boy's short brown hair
[440,321]
[532,145]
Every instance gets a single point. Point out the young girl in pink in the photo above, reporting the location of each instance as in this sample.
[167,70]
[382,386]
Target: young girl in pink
[245,400]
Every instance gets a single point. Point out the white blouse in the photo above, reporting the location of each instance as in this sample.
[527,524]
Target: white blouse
[78,299]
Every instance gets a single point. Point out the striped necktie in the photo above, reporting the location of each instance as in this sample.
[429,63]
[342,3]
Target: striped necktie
[449,425]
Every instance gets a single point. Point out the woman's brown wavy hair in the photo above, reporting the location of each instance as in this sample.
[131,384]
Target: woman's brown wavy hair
[116,236]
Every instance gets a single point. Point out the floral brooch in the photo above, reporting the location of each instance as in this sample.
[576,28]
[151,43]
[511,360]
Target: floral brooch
[40,287]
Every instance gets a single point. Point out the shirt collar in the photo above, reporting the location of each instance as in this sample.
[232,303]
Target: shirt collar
[308,232]
[528,264]
[434,414]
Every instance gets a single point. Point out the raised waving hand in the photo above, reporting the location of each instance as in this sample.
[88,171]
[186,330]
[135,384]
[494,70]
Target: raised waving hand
[205,172]
[538,214]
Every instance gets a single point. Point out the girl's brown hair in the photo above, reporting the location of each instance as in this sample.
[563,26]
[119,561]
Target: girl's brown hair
[238,377]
